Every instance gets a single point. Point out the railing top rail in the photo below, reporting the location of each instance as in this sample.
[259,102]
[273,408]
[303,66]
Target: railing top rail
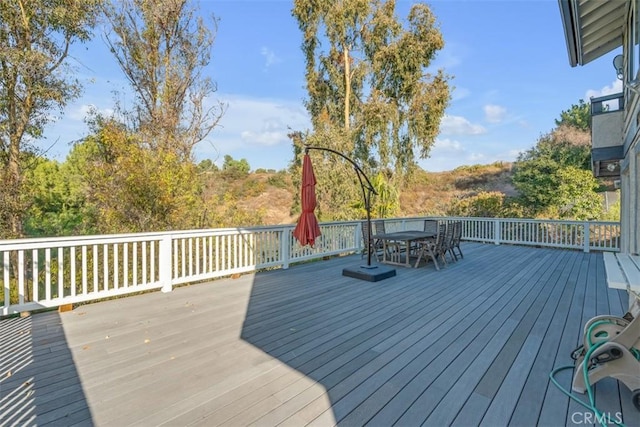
[35,243]
[80,240]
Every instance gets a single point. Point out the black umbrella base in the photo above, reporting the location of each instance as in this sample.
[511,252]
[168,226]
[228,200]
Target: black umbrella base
[370,273]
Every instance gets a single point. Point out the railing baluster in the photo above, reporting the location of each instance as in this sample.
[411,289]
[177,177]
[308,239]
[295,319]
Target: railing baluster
[153,261]
[72,260]
[125,264]
[21,296]
[190,256]
[34,272]
[105,267]
[116,285]
[144,263]
[85,289]
[47,272]
[95,269]
[183,258]
[60,273]
[6,283]
[135,264]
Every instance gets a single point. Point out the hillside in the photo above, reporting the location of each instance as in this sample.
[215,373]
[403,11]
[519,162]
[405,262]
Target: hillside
[428,193]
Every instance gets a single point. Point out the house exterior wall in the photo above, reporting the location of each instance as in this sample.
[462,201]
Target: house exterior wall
[630,165]
[630,200]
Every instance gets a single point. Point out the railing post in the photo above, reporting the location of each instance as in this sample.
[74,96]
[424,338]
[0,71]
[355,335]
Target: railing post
[586,236]
[285,248]
[165,261]
[496,231]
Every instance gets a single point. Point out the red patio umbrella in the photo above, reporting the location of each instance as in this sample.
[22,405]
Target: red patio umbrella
[307,229]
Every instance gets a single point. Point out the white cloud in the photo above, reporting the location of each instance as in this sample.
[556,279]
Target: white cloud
[270,57]
[616,87]
[446,146]
[457,125]
[255,129]
[264,137]
[82,111]
[458,93]
[494,113]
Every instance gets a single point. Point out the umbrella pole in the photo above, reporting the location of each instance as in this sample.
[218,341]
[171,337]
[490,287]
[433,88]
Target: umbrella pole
[365,185]
[369,273]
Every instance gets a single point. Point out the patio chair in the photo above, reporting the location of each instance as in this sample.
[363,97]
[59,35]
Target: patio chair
[375,245]
[457,235]
[431,225]
[447,244]
[432,248]
[393,249]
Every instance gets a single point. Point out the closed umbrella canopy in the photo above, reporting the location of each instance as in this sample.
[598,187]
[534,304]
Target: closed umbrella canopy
[307,229]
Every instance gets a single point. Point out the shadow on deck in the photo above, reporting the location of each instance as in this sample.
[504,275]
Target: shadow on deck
[39,384]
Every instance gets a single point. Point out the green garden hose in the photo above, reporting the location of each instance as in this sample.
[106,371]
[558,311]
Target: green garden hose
[592,347]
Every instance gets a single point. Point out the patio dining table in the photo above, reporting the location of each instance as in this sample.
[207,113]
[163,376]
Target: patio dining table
[399,242]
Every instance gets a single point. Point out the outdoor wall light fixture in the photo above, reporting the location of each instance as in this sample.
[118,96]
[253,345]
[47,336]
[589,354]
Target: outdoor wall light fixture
[618,64]
[611,167]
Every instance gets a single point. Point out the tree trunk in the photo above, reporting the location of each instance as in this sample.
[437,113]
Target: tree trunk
[347,85]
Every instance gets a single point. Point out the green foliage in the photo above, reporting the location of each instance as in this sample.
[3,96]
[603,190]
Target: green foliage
[207,166]
[36,83]
[483,204]
[613,213]
[540,172]
[252,187]
[235,169]
[578,116]
[134,188]
[57,201]
[279,180]
[387,203]
[576,197]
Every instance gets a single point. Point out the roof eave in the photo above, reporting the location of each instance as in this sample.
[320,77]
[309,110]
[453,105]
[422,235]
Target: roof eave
[571,31]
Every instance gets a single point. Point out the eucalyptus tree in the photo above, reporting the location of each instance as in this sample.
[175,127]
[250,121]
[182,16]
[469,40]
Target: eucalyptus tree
[162,48]
[36,82]
[371,92]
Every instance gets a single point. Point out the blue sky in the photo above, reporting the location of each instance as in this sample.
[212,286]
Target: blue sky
[508,60]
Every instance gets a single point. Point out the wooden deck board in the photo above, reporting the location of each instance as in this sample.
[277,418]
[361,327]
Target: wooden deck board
[471,344]
[455,351]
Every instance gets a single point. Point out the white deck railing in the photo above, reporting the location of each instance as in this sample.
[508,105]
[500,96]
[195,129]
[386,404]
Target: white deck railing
[41,273]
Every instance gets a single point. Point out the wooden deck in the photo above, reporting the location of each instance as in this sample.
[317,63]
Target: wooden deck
[472,344]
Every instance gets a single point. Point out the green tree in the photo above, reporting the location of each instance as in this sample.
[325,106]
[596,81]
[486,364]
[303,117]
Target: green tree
[57,201]
[535,173]
[387,203]
[235,169]
[133,188]
[576,197]
[35,80]
[207,166]
[370,95]
[578,116]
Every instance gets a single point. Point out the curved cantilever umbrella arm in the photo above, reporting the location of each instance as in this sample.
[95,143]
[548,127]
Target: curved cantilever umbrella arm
[365,185]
